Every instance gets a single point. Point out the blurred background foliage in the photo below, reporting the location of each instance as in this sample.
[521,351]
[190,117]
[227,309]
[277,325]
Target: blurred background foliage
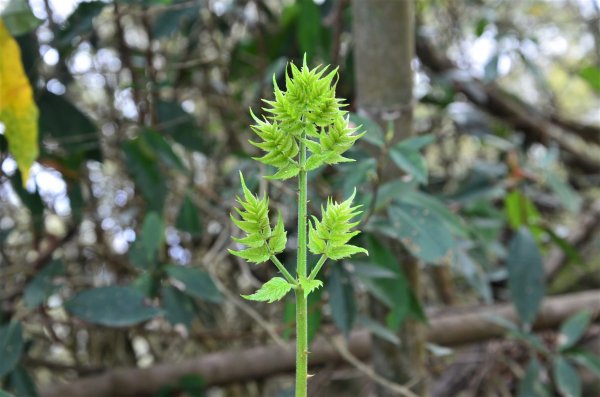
[114,254]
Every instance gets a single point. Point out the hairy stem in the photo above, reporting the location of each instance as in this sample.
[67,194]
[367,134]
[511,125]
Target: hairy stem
[283,270]
[301,307]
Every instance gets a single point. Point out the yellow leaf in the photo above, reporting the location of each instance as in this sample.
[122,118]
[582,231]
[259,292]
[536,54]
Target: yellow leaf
[18,111]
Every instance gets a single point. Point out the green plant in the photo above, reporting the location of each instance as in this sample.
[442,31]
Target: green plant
[307,117]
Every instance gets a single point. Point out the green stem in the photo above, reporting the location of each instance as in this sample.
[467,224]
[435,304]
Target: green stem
[301,307]
[317,267]
[283,270]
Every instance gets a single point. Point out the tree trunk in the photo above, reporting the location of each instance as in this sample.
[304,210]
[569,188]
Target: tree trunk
[383,53]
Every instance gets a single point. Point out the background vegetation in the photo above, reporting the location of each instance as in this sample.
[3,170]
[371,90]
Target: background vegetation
[478,174]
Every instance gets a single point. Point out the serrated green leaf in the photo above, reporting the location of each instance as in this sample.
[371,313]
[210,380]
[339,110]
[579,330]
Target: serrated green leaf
[271,291]
[309,285]
[331,234]
[345,251]
[278,238]
[573,329]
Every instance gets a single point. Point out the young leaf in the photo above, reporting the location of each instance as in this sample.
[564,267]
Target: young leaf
[309,285]
[261,240]
[271,291]
[330,236]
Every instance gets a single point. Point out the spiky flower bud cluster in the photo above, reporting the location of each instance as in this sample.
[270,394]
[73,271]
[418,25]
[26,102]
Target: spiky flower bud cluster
[305,128]
[307,112]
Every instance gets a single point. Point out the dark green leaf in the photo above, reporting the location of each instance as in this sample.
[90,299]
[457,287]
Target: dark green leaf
[5,394]
[374,134]
[163,149]
[193,385]
[21,383]
[410,161]
[112,306]
[480,26]
[569,250]
[80,22]
[179,308]
[180,126]
[141,163]
[341,299]
[309,26]
[66,125]
[11,346]
[379,330]
[152,236]
[587,359]
[188,219]
[197,283]
[566,377]
[43,285]
[422,232]
[573,329]
[525,275]
[171,21]
[18,17]
[473,273]
[418,142]
[531,384]
[565,193]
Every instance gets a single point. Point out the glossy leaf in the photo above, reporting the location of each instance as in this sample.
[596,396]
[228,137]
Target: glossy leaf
[525,275]
[80,22]
[586,359]
[43,284]
[531,385]
[410,161]
[65,124]
[573,329]
[188,218]
[141,163]
[11,346]
[197,283]
[179,308]
[18,17]
[112,306]
[152,235]
[566,377]
[163,149]
[422,232]
[271,291]
[341,299]
[18,111]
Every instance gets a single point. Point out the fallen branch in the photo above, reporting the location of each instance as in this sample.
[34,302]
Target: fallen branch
[459,327]
[521,116]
